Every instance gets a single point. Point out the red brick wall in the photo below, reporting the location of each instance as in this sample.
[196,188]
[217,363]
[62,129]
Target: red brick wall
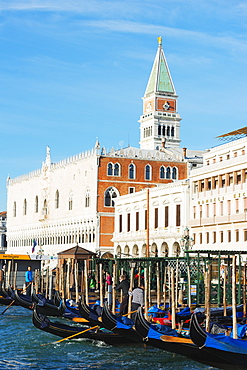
[122,184]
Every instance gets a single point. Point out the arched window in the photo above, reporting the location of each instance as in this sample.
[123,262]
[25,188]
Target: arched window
[57,199]
[168,173]
[36,206]
[168,131]
[109,169]
[135,250]
[126,250]
[116,169]
[131,171]
[159,130]
[162,172]
[118,251]
[110,194]
[148,172]
[25,207]
[70,203]
[164,130]
[14,209]
[174,173]
[172,131]
[45,209]
[87,199]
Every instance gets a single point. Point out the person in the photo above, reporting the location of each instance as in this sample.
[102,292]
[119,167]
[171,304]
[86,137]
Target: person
[28,280]
[109,288]
[124,287]
[1,277]
[137,299]
[91,283]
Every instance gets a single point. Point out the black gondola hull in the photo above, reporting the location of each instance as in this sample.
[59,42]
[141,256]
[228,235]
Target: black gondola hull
[110,322]
[61,330]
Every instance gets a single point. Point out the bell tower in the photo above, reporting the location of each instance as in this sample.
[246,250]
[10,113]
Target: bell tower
[160,122]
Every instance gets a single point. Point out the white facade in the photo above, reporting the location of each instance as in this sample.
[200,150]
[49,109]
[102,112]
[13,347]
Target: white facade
[168,218]
[218,212]
[3,231]
[55,205]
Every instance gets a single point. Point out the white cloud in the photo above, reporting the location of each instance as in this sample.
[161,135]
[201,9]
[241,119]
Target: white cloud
[75,6]
[228,42]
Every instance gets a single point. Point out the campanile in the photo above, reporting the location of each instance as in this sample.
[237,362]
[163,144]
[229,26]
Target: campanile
[160,122]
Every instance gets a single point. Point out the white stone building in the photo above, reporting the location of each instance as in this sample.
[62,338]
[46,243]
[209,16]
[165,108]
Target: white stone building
[3,231]
[49,205]
[218,211]
[157,217]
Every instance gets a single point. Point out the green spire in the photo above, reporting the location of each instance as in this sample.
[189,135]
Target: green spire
[160,80]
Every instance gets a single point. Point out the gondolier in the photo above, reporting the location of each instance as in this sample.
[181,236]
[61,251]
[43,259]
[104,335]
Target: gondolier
[124,286]
[28,280]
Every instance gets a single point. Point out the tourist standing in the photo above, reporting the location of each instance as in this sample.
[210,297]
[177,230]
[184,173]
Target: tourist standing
[137,299]
[1,277]
[109,288]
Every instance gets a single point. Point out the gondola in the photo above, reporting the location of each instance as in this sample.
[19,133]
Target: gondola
[93,316]
[233,351]
[70,312]
[57,298]
[216,315]
[120,325]
[47,307]
[62,330]
[5,299]
[168,339]
[22,300]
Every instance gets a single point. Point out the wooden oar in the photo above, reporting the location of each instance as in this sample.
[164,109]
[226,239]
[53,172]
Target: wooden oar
[129,313]
[7,307]
[79,319]
[71,336]
[14,300]
[23,290]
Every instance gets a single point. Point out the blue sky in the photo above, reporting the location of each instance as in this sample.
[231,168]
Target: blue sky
[74,70]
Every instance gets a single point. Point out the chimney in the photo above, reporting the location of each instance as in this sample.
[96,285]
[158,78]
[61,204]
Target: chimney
[184,152]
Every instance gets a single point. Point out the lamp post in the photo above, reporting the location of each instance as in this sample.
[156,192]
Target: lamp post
[40,254]
[186,240]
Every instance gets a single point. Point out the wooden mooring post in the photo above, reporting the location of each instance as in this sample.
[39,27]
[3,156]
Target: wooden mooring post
[234,311]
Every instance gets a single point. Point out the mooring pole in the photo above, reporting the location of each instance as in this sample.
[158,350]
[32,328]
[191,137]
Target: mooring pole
[147,244]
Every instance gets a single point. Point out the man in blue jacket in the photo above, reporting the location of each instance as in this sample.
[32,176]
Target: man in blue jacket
[28,280]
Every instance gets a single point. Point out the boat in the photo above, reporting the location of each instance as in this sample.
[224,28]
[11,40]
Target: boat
[57,298]
[5,299]
[47,307]
[92,315]
[121,325]
[163,337]
[22,299]
[70,311]
[63,330]
[232,351]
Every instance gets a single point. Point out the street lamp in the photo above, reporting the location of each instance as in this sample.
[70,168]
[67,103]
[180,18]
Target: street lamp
[132,264]
[186,240]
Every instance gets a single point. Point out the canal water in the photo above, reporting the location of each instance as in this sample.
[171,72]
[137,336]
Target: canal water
[21,348]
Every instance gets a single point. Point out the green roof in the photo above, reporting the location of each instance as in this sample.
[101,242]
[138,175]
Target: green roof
[160,79]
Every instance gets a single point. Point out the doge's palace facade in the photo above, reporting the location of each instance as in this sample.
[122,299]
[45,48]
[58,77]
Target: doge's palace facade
[55,205]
